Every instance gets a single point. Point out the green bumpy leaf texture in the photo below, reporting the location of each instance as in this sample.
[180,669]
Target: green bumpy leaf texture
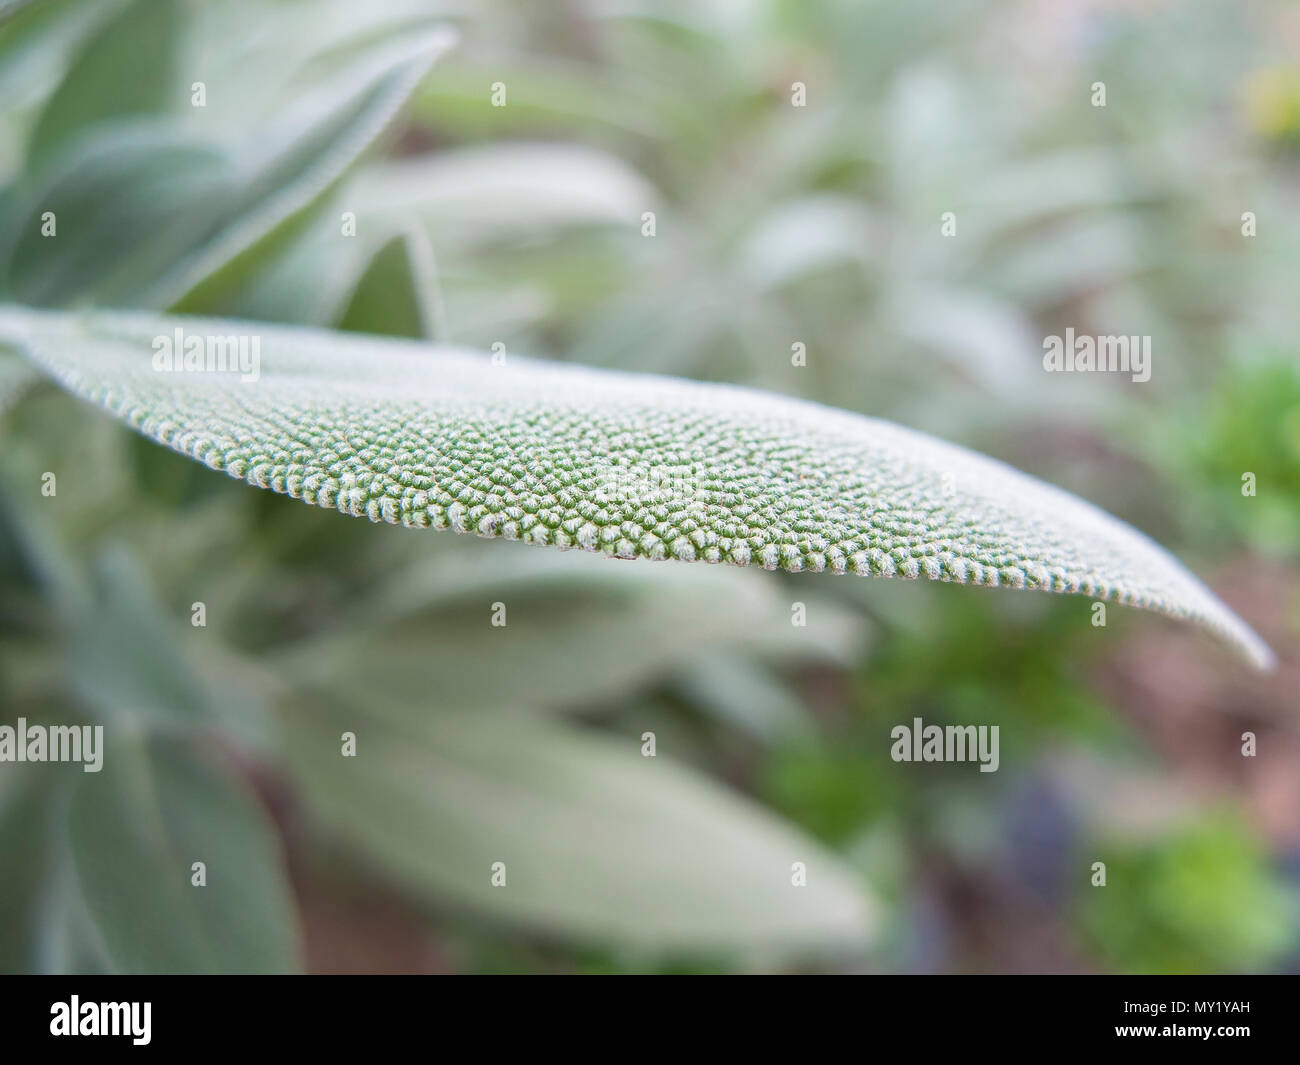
[631,465]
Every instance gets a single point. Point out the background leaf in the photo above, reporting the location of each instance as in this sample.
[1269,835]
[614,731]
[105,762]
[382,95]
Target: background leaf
[297,159]
[396,294]
[147,207]
[138,825]
[628,625]
[128,202]
[598,841]
[109,80]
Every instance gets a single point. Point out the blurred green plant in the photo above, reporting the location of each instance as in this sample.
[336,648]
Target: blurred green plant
[519,226]
[1194,900]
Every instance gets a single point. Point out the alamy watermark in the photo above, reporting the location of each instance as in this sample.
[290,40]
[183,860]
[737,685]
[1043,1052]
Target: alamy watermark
[77,1018]
[53,743]
[919,742]
[180,352]
[1098,354]
[644,485]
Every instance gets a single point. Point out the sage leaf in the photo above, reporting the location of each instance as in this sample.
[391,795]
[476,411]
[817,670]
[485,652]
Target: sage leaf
[397,293]
[138,826]
[628,627]
[594,839]
[108,80]
[629,465]
[302,155]
[154,210]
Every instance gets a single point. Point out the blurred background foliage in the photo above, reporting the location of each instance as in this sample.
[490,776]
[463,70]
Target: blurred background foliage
[522,226]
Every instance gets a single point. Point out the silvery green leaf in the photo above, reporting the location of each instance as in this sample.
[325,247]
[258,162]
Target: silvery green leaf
[478,194]
[988,338]
[107,78]
[739,690]
[44,923]
[542,94]
[16,377]
[137,827]
[598,841]
[805,235]
[632,466]
[298,158]
[397,293]
[9,8]
[626,625]
[33,563]
[29,796]
[151,211]
[309,280]
[128,200]
[124,658]
[37,40]
[252,68]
